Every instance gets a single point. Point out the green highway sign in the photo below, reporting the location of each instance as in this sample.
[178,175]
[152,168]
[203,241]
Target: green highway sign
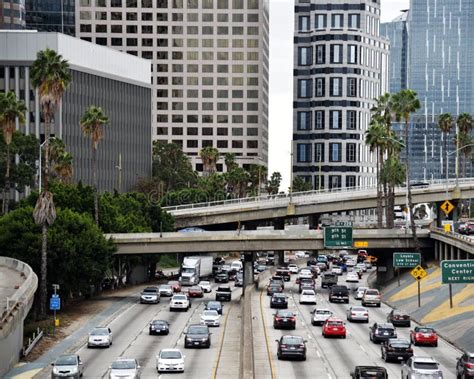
[457,271]
[338,237]
[406,260]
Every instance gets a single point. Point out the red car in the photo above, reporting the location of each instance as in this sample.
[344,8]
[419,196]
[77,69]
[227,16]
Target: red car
[195,291]
[334,327]
[424,336]
[175,285]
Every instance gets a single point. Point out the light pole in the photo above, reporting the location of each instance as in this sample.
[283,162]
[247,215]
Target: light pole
[457,166]
[40,168]
[291,173]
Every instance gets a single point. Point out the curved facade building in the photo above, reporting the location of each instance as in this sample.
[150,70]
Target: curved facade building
[340,67]
[12,14]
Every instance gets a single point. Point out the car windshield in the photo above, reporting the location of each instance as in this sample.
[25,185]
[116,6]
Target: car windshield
[153,290]
[322,312]
[309,293]
[335,323]
[197,330]
[285,314]
[100,332]
[213,304]
[124,365]
[425,365]
[372,373]
[358,309]
[361,289]
[179,297]
[204,283]
[196,288]
[173,283]
[67,360]
[292,340]
[209,313]
[165,287]
[400,343]
[159,322]
[385,329]
[424,330]
[371,292]
[170,355]
[279,295]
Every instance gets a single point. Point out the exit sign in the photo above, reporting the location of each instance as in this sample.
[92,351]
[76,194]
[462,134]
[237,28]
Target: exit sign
[338,237]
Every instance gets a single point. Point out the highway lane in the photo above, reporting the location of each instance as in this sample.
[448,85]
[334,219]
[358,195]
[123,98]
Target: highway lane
[335,358]
[131,340]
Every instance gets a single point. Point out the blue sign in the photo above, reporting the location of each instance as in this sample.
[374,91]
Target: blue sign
[55,303]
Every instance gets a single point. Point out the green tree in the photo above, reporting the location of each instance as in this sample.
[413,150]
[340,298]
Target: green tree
[445,124]
[273,184]
[11,109]
[209,156]
[237,182]
[258,178]
[50,75]
[465,124]
[405,103]
[92,125]
[229,160]
[172,167]
[301,185]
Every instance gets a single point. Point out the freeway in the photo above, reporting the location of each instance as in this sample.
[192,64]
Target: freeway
[332,358]
[131,340]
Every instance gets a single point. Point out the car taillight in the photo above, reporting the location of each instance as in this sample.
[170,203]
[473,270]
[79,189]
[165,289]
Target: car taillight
[410,350]
[353,314]
[293,318]
[366,314]
[469,365]
[418,335]
[283,345]
[301,345]
[278,318]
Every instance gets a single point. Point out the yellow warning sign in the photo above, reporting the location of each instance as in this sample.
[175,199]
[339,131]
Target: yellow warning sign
[418,273]
[447,207]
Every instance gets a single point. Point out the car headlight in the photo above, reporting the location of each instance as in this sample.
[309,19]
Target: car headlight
[74,370]
[204,339]
[55,370]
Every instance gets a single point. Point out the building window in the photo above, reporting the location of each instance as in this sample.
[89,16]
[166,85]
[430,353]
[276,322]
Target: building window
[304,23]
[352,54]
[303,152]
[237,144]
[335,87]
[354,21]
[351,87]
[351,152]
[320,21]
[305,55]
[336,53]
[335,152]
[304,88]
[350,181]
[334,181]
[351,120]
[304,120]
[320,87]
[319,181]
[337,21]
[335,119]
[222,144]
[319,120]
[320,54]
[319,152]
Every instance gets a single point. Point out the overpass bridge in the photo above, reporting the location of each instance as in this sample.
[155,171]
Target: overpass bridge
[310,203]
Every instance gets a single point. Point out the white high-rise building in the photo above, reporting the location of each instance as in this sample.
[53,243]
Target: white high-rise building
[209,68]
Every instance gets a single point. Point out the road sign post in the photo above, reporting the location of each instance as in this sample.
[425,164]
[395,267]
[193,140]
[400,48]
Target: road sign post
[55,305]
[418,273]
[337,237]
[456,271]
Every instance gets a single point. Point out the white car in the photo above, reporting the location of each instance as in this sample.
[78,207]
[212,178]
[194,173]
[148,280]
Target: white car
[320,315]
[293,268]
[350,263]
[236,265]
[125,368]
[371,296]
[359,292]
[362,266]
[100,337]
[179,302]
[170,360]
[166,290]
[421,367]
[210,318]
[352,277]
[205,285]
[308,297]
[300,254]
[305,274]
[337,270]
[358,314]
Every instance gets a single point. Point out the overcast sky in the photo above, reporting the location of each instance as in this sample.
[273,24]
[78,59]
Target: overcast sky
[281,80]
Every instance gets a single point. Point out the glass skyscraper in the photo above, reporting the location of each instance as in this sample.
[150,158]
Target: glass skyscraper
[51,16]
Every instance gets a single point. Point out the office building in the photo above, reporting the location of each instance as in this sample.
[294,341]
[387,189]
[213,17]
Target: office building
[210,68]
[340,66]
[117,82]
[12,14]
[51,16]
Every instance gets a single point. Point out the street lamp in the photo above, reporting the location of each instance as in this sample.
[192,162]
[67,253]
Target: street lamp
[41,160]
[457,166]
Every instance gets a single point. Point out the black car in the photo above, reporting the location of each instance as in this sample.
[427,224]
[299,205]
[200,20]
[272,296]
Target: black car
[273,288]
[291,347]
[465,366]
[223,293]
[398,318]
[159,327]
[339,293]
[284,319]
[397,349]
[222,277]
[197,336]
[307,283]
[214,306]
[279,300]
[380,332]
[284,273]
[375,372]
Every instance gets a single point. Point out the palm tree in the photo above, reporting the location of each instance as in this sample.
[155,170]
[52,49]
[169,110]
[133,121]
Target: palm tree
[405,103]
[465,124]
[63,166]
[10,109]
[51,76]
[92,125]
[229,160]
[209,156]
[394,147]
[375,138]
[445,124]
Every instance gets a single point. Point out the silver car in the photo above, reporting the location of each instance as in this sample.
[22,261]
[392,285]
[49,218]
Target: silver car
[358,314]
[69,366]
[125,368]
[359,292]
[421,367]
[100,337]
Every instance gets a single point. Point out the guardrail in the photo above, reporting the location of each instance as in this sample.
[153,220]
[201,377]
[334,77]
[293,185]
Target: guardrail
[454,234]
[32,342]
[297,196]
[26,290]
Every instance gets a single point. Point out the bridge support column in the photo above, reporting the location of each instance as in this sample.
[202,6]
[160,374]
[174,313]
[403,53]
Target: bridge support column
[248,270]
[451,252]
[313,221]
[436,250]
[279,257]
[458,253]
[385,270]
[445,251]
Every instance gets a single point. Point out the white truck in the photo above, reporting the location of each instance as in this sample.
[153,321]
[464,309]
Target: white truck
[195,268]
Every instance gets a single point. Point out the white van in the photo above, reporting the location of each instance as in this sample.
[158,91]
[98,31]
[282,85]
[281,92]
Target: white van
[236,265]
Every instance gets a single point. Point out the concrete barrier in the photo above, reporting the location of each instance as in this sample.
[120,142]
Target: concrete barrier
[247,367]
